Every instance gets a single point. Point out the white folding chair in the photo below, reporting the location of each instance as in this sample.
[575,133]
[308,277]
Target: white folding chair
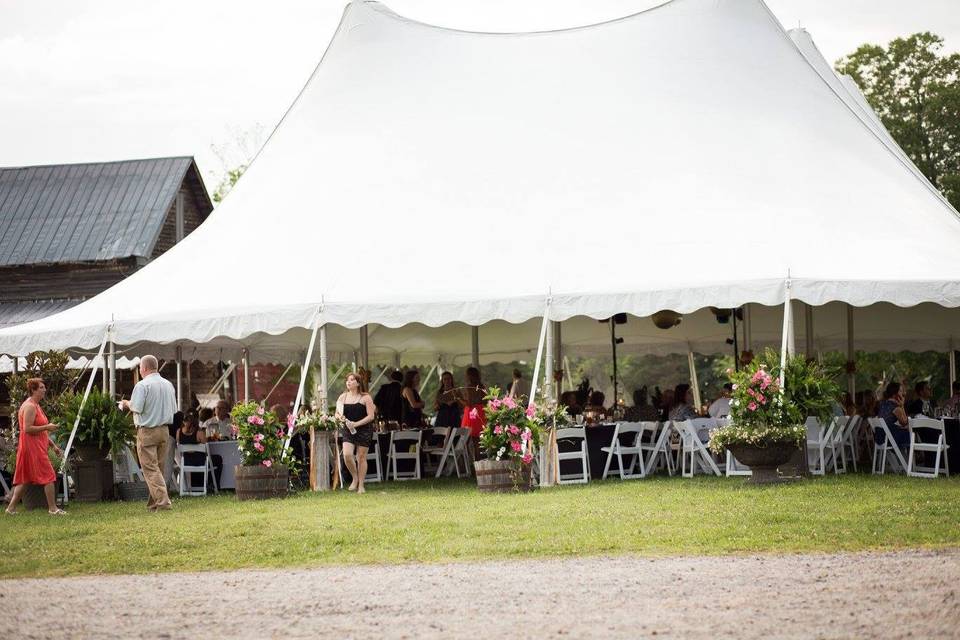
[435,452]
[819,442]
[658,450]
[882,451]
[849,441]
[185,471]
[454,451]
[627,437]
[574,434]
[939,449]
[6,487]
[840,424]
[400,444]
[734,467]
[703,426]
[694,450]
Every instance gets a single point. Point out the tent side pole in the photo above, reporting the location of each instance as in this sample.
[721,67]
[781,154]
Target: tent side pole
[112,366]
[557,356]
[952,363]
[851,355]
[179,378]
[76,423]
[317,456]
[694,383]
[810,348]
[784,339]
[548,457]
[245,358]
[475,346]
[303,381]
[747,328]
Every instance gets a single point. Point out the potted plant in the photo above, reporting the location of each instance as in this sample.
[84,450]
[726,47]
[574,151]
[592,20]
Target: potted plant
[266,464]
[509,437]
[767,421]
[321,429]
[103,430]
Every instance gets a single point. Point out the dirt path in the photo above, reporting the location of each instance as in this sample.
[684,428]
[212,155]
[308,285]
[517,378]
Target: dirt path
[890,595]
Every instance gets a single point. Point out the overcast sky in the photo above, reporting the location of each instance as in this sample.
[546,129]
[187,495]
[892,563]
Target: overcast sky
[84,80]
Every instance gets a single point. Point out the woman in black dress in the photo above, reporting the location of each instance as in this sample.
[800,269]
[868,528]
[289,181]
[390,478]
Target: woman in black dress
[356,407]
[412,416]
[449,413]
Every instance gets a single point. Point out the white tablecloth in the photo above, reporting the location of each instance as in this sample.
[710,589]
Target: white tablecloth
[229,450]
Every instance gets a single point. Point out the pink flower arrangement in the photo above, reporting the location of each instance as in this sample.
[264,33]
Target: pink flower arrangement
[498,430]
[752,406]
[474,414]
[258,446]
[268,462]
[516,446]
[527,458]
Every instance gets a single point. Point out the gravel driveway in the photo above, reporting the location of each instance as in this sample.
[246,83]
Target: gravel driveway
[880,595]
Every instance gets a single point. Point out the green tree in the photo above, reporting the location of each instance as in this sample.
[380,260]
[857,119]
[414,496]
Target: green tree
[915,89]
[227,183]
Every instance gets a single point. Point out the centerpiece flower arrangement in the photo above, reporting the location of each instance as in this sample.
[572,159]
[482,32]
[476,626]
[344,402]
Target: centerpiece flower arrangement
[319,422]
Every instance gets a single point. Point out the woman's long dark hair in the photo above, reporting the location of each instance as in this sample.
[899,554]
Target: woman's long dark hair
[892,389]
[409,377]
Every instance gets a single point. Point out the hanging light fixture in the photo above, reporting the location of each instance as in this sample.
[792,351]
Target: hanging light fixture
[666,319]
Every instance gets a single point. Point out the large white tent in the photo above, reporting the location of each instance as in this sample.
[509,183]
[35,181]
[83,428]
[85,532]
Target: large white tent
[687,156]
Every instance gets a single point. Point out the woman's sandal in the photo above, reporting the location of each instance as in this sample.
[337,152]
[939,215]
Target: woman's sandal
[58,512]
[11,513]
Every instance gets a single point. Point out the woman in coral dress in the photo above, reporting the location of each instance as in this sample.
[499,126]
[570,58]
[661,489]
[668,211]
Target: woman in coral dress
[471,398]
[33,465]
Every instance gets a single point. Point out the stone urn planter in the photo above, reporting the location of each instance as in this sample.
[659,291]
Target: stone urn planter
[94,473]
[763,461]
[257,482]
[499,476]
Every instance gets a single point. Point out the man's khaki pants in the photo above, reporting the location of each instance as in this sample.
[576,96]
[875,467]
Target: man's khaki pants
[152,450]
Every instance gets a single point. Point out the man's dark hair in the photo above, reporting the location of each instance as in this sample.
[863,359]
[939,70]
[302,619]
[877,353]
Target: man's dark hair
[920,386]
[396,376]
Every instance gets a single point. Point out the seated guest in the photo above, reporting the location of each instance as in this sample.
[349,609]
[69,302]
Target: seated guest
[569,400]
[849,406]
[720,408]
[519,388]
[389,399]
[921,405]
[642,410]
[682,408]
[412,406]
[952,406]
[220,422]
[189,433]
[891,411]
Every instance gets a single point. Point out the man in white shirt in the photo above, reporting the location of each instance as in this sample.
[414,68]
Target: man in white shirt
[220,422]
[520,387]
[720,408]
[153,404]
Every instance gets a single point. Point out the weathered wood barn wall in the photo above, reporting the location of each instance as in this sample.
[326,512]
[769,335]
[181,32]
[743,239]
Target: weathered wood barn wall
[67,232]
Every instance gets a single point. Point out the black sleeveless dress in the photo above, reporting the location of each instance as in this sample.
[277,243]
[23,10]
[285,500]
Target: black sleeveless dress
[411,417]
[364,434]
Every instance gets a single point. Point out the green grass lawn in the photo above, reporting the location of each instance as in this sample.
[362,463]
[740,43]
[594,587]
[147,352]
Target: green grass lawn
[448,520]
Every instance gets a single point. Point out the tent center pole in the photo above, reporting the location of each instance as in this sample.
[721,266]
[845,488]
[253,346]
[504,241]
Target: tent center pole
[246,375]
[179,378]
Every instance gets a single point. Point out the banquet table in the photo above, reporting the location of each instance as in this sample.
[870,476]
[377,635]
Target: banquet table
[229,450]
[598,436]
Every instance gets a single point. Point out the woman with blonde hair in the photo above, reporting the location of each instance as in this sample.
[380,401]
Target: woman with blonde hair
[33,464]
[356,407]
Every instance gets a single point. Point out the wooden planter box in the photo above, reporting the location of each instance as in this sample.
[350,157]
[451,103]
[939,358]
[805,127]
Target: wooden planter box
[260,482]
[498,476]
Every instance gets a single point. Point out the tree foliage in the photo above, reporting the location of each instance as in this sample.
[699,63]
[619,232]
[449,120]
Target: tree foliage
[915,89]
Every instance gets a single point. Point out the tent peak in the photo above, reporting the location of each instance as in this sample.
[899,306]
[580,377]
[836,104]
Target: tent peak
[382,9]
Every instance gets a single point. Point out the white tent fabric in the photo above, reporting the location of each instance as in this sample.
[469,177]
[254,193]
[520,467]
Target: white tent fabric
[123,363]
[678,158]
